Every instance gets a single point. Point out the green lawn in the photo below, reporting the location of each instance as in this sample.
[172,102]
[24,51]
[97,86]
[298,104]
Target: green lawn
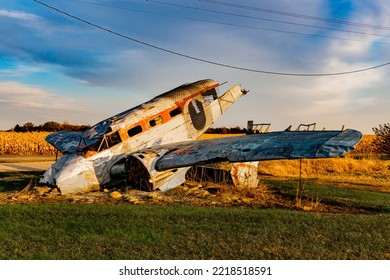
[71,231]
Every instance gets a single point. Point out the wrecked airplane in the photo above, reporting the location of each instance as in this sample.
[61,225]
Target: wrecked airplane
[154,144]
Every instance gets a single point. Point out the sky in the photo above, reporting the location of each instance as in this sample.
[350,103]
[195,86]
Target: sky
[91,59]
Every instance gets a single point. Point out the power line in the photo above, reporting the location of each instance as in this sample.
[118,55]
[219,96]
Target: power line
[267,19]
[240,25]
[235,25]
[251,8]
[204,60]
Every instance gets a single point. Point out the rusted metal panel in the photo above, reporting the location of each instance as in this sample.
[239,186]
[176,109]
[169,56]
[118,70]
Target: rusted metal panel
[245,174]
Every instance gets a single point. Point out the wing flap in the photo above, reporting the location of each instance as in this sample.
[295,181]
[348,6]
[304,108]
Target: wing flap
[258,147]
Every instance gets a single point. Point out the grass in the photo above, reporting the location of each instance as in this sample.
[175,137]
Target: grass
[182,232]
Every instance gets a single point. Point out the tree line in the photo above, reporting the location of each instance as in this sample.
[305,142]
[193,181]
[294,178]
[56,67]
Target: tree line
[50,126]
[227,130]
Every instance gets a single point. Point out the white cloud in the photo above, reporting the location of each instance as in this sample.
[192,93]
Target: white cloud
[30,96]
[17,15]
[20,103]
[20,70]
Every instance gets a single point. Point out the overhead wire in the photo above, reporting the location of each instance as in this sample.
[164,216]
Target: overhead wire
[205,60]
[251,8]
[232,24]
[267,19]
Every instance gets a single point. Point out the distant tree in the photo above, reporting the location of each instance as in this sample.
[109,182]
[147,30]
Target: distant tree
[382,141]
[224,130]
[17,128]
[83,127]
[51,126]
[28,127]
[67,126]
[236,130]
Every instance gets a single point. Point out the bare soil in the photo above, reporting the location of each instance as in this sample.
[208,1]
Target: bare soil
[189,194]
[25,163]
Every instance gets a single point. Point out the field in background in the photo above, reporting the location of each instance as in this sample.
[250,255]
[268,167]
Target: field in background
[344,213]
[368,173]
[25,143]
[360,168]
[33,143]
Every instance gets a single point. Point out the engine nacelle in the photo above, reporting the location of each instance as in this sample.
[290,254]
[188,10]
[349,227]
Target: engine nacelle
[139,170]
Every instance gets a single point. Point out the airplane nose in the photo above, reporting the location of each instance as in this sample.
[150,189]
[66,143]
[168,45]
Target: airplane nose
[72,174]
[68,182]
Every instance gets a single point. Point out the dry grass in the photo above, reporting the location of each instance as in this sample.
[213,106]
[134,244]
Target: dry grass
[33,143]
[369,174]
[211,135]
[365,147]
[322,167]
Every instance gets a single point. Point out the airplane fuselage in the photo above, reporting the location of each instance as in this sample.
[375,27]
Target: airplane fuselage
[181,114]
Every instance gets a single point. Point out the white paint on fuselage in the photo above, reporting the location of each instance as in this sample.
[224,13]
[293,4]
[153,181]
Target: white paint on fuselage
[79,173]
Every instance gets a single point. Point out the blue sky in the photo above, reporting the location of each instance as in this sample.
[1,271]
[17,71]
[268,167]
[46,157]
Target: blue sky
[56,68]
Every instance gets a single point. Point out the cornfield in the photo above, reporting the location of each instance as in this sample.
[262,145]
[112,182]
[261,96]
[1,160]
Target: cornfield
[25,143]
[33,143]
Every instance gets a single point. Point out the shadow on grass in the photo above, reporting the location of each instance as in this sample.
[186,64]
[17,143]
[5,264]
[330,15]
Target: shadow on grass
[331,196]
[17,181]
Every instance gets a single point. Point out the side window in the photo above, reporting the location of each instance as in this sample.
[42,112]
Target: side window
[97,145]
[134,131]
[175,112]
[107,141]
[156,121]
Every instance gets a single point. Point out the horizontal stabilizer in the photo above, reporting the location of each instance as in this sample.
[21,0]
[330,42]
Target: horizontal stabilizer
[258,147]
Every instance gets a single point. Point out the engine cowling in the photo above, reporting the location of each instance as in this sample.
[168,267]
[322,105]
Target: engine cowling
[138,169]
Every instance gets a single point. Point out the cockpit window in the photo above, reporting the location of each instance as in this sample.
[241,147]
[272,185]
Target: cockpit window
[107,141]
[113,139]
[99,145]
[210,95]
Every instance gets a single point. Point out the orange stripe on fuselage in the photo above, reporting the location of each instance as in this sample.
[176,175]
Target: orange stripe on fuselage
[165,114]
[182,102]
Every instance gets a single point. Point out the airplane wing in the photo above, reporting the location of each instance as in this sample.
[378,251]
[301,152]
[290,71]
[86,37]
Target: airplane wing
[258,147]
[65,141]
